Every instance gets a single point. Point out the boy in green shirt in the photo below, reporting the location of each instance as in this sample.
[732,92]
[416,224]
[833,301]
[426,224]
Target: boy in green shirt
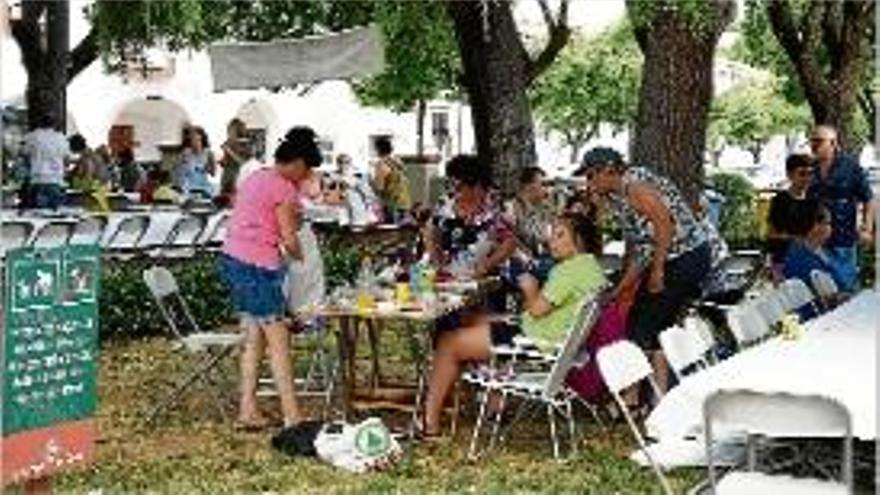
[547,315]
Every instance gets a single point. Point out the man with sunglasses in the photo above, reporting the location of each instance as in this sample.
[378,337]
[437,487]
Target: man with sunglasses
[842,186]
[786,208]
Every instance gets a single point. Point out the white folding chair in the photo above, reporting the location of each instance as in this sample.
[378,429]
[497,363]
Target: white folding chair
[696,324]
[53,234]
[624,365]
[684,350]
[797,295]
[542,388]
[128,234]
[777,415]
[88,230]
[747,325]
[207,349]
[215,231]
[15,234]
[825,286]
[182,238]
[770,306]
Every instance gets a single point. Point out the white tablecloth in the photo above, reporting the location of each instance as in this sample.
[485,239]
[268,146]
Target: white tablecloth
[836,358]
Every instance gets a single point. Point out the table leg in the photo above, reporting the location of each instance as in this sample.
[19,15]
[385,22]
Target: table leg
[421,346]
[346,367]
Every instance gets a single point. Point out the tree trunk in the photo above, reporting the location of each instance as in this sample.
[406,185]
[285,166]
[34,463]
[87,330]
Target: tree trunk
[420,128]
[844,31]
[48,61]
[496,77]
[675,93]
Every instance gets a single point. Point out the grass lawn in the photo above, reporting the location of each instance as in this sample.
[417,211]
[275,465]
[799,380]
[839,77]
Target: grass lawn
[192,451]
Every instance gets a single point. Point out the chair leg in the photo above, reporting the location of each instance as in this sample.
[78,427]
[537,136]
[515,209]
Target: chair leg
[475,437]
[572,433]
[551,418]
[664,483]
[498,414]
[373,336]
[196,375]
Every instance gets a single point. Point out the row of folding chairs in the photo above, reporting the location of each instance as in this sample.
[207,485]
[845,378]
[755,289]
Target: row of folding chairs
[688,348]
[187,234]
[624,365]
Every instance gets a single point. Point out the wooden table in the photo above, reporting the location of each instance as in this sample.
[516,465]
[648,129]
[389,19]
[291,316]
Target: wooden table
[414,319]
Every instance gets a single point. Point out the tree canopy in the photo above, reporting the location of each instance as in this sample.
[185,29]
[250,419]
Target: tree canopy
[749,114]
[595,81]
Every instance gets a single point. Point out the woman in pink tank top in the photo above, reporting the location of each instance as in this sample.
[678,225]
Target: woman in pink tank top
[263,224]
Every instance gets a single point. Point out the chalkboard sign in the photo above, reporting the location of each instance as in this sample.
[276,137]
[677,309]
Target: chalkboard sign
[50,359]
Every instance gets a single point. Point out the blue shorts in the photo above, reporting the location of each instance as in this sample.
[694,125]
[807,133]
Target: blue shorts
[256,291]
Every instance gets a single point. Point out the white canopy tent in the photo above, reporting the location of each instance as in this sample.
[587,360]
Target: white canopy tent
[349,54]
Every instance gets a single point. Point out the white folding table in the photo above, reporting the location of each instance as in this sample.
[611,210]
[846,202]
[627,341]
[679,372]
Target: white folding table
[836,357]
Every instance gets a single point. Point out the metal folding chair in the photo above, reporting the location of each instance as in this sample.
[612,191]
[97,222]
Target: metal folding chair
[770,306]
[182,239]
[53,234]
[88,230]
[776,415]
[215,231]
[684,350]
[825,287]
[542,388]
[624,365]
[797,295]
[207,349]
[128,234]
[747,325]
[15,234]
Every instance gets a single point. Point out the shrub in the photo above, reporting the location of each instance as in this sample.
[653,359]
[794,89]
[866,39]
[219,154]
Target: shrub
[740,226]
[127,309]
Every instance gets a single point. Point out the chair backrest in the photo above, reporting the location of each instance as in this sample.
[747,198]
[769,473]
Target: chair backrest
[218,233]
[622,364]
[770,306]
[163,286]
[88,230]
[698,325]
[185,232]
[683,349]
[129,232]
[746,324]
[15,234]
[780,415]
[584,320]
[824,284]
[796,293]
[53,234]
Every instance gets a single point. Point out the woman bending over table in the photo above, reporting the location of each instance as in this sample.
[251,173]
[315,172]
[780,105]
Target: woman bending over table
[263,223]
[546,318]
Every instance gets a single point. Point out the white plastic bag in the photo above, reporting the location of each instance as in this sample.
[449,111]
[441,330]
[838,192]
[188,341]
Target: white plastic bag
[305,284]
[359,448]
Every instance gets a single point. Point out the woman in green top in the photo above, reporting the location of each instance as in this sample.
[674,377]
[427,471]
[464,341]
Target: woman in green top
[390,183]
[549,311]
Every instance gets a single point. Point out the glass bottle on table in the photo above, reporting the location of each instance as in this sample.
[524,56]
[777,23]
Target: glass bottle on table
[365,285]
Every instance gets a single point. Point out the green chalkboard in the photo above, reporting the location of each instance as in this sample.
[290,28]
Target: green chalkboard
[50,336]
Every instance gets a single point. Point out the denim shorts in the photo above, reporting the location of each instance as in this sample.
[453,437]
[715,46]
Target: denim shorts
[256,291]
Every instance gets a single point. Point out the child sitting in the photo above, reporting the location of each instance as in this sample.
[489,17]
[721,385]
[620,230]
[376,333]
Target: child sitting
[547,315]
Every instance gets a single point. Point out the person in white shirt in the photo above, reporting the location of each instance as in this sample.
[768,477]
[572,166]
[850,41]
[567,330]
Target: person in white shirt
[47,150]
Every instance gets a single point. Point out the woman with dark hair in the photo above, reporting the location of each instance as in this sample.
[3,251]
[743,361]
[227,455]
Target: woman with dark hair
[548,311]
[667,250]
[469,233]
[262,225]
[196,164]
